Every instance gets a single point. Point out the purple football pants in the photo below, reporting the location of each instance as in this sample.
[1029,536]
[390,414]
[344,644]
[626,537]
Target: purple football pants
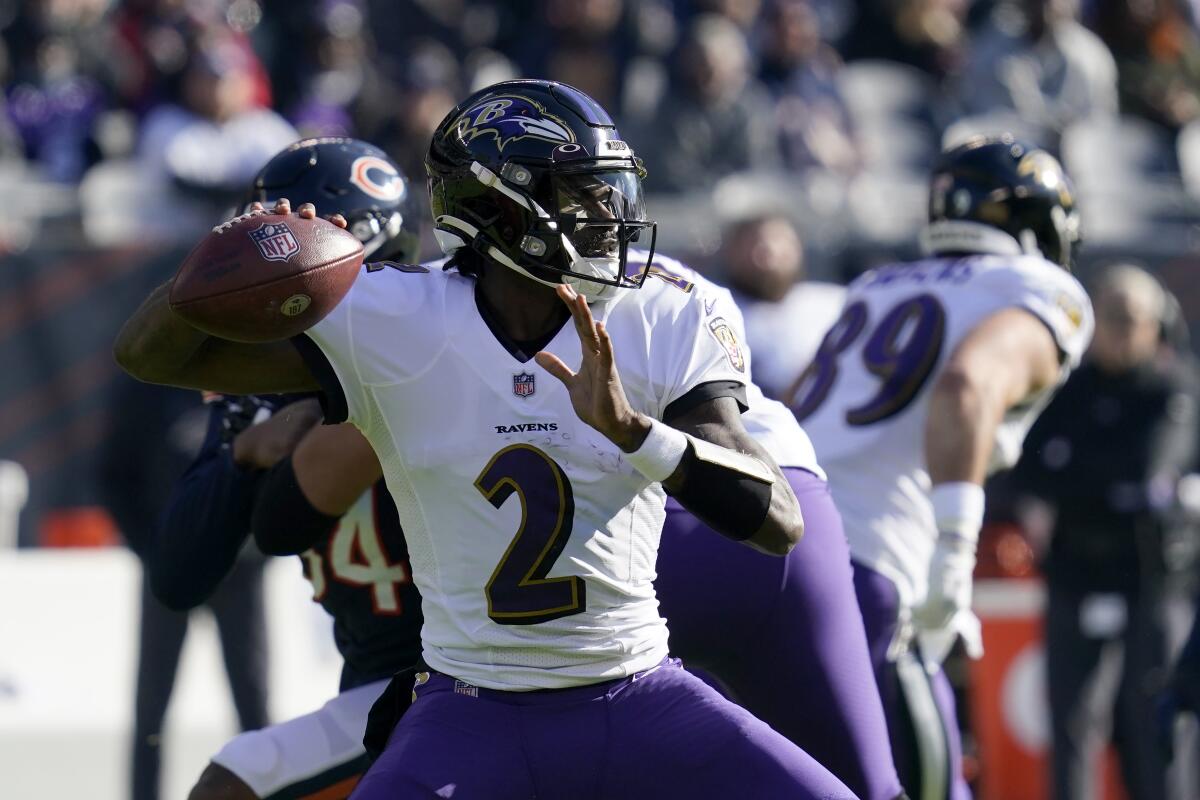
[920,707]
[660,734]
[783,635]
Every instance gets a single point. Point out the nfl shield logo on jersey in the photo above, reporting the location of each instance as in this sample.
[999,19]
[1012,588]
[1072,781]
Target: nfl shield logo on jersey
[523,385]
[275,241]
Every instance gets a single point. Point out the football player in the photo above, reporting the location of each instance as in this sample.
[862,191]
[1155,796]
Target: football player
[529,472]
[784,637]
[802,619]
[806,660]
[357,564]
[930,378]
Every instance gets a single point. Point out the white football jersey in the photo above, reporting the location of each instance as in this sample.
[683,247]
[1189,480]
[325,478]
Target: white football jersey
[864,398]
[768,421]
[531,538]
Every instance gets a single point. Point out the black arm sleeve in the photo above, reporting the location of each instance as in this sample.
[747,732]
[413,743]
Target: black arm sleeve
[284,521]
[332,396]
[702,393]
[204,527]
[731,503]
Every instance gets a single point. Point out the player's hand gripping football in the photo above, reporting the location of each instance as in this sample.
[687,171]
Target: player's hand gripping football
[596,392]
[305,211]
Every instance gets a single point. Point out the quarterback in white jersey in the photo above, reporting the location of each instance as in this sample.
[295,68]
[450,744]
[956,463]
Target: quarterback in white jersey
[929,380]
[460,421]
[529,470]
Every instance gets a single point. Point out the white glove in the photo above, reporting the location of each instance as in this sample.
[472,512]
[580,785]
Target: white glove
[958,513]
[950,573]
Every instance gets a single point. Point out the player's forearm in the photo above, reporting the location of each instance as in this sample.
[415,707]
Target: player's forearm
[960,432]
[765,516]
[334,466]
[204,528]
[284,520]
[157,346]
[155,342]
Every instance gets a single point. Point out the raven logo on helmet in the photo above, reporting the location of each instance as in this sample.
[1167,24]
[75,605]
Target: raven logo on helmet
[512,118]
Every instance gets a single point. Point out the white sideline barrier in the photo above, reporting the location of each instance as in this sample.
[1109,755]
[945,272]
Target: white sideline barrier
[68,650]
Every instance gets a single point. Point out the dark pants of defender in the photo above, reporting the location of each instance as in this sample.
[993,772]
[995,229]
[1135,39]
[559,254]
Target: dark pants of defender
[1105,681]
[238,608]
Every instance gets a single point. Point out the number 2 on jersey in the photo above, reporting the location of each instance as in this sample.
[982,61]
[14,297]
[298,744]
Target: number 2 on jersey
[901,351]
[518,592]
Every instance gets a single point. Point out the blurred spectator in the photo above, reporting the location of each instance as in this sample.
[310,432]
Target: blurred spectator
[156,432]
[217,134]
[1033,56]
[578,43]
[10,143]
[1105,457]
[1157,51]
[764,262]
[471,29]
[55,93]
[337,77]
[927,34]
[801,72]
[420,91]
[743,13]
[150,50]
[715,120]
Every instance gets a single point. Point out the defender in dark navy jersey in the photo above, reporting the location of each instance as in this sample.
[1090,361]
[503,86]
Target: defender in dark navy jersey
[357,564]
[353,551]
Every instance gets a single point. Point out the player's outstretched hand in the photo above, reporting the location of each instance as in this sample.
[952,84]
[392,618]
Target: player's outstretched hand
[596,392]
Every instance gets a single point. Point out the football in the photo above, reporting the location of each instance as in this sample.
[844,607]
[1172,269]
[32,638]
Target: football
[265,277]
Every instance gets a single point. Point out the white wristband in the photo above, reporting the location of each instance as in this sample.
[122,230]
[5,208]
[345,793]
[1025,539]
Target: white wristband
[660,454]
[958,509]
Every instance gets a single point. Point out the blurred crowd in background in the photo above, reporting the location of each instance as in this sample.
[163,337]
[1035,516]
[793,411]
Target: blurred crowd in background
[827,112]
[784,139]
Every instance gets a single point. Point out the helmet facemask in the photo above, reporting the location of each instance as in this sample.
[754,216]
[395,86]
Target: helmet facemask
[597,214]
[580,234]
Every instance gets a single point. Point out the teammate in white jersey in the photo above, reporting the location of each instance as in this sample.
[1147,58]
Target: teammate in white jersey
[784,636]
[930,379]
[532,494]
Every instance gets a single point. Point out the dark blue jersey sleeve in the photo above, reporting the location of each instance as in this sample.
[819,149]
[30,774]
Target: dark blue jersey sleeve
[283,519]
[205,524]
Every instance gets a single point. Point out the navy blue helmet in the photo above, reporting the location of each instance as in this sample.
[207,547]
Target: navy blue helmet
[997,194]
[352,178]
